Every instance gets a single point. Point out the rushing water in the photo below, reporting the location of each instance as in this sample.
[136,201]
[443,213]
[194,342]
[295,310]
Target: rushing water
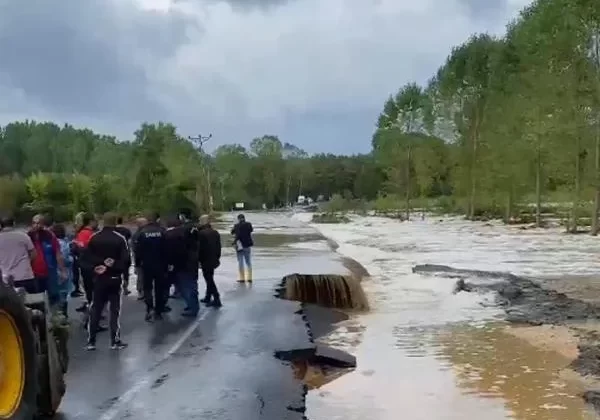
[426,353]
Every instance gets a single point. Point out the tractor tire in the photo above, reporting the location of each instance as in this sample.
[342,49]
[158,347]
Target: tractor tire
[51,379]
[18,360]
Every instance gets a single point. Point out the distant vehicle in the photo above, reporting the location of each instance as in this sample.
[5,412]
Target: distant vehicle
[301,199]
[239,206]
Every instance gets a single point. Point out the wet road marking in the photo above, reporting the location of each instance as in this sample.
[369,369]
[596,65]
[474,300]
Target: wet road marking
[143,382]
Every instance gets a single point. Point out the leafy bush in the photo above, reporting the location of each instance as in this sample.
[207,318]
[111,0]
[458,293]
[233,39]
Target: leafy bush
[12,194]
[330,218]
[337,203]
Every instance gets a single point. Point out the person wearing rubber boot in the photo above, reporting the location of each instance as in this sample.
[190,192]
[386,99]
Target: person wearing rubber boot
[151,250]
[242,233]
[107,256]
[210,259]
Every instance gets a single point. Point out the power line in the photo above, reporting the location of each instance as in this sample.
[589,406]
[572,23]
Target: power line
[199,142]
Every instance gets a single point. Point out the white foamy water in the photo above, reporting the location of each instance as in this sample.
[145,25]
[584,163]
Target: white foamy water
[403,371]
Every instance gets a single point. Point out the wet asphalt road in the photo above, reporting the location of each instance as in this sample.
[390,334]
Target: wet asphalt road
[219,366]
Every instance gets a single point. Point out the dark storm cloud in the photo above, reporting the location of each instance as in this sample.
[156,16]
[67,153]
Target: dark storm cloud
[78,57]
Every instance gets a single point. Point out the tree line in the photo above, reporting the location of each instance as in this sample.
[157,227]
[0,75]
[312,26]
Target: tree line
[64,170]
[506,125]
[505,122]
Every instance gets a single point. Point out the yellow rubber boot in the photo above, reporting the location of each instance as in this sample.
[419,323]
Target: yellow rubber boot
[249,275]
[241,277]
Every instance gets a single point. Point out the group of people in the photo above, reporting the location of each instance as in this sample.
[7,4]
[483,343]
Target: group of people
[165,255]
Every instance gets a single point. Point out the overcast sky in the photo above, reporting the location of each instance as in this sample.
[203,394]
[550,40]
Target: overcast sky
[314,72]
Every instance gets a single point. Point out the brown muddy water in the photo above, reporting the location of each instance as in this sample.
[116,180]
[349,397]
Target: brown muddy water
[491,364]
[422,353]
[425,353]
[451,372]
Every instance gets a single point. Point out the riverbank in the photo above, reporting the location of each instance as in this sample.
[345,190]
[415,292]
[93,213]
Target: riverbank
[465,360]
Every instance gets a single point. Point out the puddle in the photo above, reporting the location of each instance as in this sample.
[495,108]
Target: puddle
[315,376]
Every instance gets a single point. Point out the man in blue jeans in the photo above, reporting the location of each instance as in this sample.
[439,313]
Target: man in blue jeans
[187,273]
[242,232]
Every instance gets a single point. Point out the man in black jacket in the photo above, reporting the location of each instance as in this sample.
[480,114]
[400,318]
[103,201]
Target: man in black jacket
[176,254]
[151,253]
[107,255]
[209,255]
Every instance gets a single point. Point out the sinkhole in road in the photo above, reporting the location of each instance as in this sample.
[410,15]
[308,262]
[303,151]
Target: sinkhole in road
[327,290]
[321,364]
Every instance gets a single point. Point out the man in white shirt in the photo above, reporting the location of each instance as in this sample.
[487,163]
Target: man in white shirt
[16,252]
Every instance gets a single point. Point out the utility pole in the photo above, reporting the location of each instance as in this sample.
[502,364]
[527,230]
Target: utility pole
[198,142]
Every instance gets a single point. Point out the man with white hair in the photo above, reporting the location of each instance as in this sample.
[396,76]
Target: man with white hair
[209,254]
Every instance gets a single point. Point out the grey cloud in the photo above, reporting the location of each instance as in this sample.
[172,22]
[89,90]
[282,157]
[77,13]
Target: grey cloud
[110,64]
[75,56]
[486,9]
[245,5]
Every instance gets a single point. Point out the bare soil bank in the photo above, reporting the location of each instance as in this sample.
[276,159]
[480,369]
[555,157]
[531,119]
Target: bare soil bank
[559,314]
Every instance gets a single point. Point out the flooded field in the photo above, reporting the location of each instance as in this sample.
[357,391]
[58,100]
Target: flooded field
[426,353]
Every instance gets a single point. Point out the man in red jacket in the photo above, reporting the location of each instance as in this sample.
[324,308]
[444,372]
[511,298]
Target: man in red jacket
[82,238]
[48,265]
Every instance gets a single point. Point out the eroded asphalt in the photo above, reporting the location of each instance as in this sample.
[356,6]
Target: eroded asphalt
[219,366]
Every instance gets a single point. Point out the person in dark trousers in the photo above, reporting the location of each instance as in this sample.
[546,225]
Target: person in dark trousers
[75,267]
[123,230]
[187,280]
[64,288]
[107,256]
[151,250]
[176,253]
[209,244]
[82,238]
[139,281]
[190,233]
[242,242]
[48,266]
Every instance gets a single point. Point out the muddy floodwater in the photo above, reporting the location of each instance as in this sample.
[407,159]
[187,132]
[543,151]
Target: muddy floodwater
[426,353]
